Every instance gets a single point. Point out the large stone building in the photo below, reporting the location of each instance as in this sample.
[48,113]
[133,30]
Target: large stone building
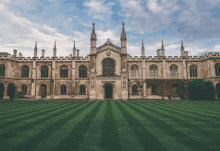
[107,73]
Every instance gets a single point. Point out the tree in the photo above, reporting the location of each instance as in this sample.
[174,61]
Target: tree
[11,90]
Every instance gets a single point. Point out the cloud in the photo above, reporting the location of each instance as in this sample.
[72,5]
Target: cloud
[98,9]
[153,6]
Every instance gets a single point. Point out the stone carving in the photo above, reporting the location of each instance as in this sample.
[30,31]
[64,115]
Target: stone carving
[92,83]
[124,83]
[108,53]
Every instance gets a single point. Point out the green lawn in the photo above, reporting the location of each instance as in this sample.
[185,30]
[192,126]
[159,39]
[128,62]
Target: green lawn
[110,125]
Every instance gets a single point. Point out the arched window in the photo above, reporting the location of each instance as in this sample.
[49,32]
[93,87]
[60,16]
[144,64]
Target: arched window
[44,71]
[63,90]
[108,67]
[153,71]
[217,69]
[134,90]
[154,90]
[25,71]
[82,71]
[134,71]
[24,88]
[64,72]
[82,90]
[193,71]
[173,71]
[2,70]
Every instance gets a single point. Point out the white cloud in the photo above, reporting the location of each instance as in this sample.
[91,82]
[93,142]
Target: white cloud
[153,6]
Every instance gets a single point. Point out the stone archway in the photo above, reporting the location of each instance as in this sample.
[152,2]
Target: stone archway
[108,91]
[43,91]
[1,91]
[218,90]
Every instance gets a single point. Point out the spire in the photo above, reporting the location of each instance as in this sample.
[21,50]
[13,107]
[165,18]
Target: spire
[55,45]
[162,47]
[35,46]
[74,46]
[123,34]
[142,48]
[182,48]
[93,35]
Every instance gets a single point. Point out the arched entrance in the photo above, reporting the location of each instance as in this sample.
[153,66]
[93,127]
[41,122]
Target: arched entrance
[1,91]
[108,91]
[218,90]
[43,91]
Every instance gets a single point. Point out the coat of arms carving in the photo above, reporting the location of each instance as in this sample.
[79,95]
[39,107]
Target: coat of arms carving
[108,53]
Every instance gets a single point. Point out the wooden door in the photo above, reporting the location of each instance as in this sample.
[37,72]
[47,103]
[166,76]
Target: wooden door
[43,91]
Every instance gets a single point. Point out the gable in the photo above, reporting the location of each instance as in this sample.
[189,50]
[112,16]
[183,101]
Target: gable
[108,46]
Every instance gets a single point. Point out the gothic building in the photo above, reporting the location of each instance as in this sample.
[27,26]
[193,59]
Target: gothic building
[107,73]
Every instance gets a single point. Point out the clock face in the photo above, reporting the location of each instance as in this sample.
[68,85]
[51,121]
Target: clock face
[108,53]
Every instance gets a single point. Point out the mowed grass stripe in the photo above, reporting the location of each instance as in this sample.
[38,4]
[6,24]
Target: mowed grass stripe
[92,137]
[196,114]
[25,115]
[127,136]
[28,121]
[33,108]
[188,106]
[143,128]
[30,136]
[110,136]
[12,106]
[170,125]
[198,122]
[68,134]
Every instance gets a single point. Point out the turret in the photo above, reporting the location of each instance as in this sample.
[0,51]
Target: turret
[77,53]
[142,49]
[162,48]
[35,50]
[123,40]
[74,50]
[54,50]
[15,53]
[93,41]
[43,52]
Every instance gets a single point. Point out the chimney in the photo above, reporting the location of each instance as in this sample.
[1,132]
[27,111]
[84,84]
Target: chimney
[43,52]
[15,53]
[77,53]
[20,54]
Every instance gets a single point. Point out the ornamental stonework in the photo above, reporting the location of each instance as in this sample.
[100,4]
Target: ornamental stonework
[108,53]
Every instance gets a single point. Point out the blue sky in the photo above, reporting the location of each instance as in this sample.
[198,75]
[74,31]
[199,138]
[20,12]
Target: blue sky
[196,22]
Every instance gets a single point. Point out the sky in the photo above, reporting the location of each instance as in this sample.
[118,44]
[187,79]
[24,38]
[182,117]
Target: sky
[196,22]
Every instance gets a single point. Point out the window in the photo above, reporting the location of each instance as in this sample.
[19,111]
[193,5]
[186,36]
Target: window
[153,71]
[63,90]
[134,90]
[193,71]
[24,88]
[154,90]
[82,71]
[2,70]
[64,72]
[25,71]
[217,69]
[173,71]
[134,71]
[108,67]
[82,90]
[44,71]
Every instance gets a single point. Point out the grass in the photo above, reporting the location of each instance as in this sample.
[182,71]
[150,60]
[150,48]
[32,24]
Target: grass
[110,125]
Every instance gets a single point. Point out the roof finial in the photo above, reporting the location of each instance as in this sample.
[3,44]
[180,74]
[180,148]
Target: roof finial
[93,29]
[123,25]
[36,45]
[108,39]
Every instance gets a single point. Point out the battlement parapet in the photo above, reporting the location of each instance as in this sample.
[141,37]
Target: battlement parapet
[87,58]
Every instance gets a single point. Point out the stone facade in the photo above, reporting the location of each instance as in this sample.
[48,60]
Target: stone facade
[107,73]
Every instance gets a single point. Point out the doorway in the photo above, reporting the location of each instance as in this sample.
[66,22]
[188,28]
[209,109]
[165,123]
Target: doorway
[108,92]
[1,91]
[43,91]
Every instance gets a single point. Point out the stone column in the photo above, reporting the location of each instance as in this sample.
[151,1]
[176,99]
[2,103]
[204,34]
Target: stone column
[164,69]
[184,69]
